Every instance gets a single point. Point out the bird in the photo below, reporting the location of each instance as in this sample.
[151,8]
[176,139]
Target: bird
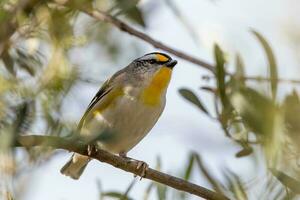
[125,109]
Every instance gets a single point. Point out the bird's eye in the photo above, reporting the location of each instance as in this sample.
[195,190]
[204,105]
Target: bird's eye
[152,61]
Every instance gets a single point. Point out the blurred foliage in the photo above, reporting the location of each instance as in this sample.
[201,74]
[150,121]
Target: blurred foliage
[37,74]
[254,120]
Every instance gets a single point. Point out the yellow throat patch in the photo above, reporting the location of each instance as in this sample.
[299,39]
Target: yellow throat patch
[152,94]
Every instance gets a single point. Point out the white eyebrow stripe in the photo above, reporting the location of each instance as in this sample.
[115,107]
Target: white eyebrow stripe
[148,57]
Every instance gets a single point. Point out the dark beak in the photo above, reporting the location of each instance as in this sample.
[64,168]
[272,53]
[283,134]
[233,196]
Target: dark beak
[171,63]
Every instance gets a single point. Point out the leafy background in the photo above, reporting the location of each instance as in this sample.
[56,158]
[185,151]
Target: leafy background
[237,136]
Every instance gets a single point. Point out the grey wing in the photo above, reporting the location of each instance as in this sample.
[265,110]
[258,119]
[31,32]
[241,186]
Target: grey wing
[104,90]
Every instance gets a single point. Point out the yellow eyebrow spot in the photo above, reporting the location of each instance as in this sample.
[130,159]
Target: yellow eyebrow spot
[161,58]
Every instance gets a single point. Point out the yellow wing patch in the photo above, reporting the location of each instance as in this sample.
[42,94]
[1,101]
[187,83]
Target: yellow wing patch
[108,101]
[161,58]
[152,94]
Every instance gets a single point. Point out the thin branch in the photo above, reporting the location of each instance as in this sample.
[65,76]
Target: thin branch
[9,27]
[258,79]
[264,79]
[118,162]
[105,17]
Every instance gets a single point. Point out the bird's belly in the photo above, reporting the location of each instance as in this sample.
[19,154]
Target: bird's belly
[127,122]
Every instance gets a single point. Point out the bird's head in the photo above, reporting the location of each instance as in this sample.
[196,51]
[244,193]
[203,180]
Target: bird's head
[153,72]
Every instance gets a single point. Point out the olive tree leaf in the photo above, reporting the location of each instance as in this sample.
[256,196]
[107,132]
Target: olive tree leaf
[207,174]
[220,73]
[161,191]
[148,190]
[256,110]
[287,181]
[236,185]
[191,97]
[130,9]
[129,188]
[273,72]
[263,117]
[24,116]
[244,152]
[226,113]
[239,70]
[240,67]
[115,195]
[291,108]
[8,62]
[189,167]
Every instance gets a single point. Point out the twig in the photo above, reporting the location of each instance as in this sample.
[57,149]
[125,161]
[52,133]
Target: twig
[9,27]
[258,79]
[118,162]
[264,79]
[105,17]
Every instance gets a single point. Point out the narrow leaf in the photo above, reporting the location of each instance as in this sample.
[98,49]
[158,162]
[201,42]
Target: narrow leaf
[129,188]
[273,72]
[161,191]
[220,73]
[189,167]
[236,186]
[190,96]
[131,10]
[8,62]
[115,195]
[244,152]
[287,181]
[239,70]
[207,174]
[148,190]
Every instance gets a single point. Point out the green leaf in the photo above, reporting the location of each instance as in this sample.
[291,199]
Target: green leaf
[240,67]
[273,72]
[129,188]
[239,70]
[8,62]
[209,89]
[191,97]
[115,195]
[28,62]
[60,27]
[220,73]
[220,76]
[244,152]
[188,169]
[148,190]
[136,15]
[291,107]
[161,191]
[236,185]
[205,171]
[263,117]
[256,110]
[25,114]
[130,9]
[287,181]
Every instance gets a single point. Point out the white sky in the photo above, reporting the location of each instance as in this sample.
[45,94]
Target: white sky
[182,128]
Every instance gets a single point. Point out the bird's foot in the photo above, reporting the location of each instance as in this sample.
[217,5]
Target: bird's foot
[140,164]
[144,166]
[91,148]
[123,155]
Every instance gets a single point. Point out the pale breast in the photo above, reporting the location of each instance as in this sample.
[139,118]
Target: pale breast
[126,122]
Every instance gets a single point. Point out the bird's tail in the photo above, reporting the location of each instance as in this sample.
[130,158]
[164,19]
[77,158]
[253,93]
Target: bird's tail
[75,166]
